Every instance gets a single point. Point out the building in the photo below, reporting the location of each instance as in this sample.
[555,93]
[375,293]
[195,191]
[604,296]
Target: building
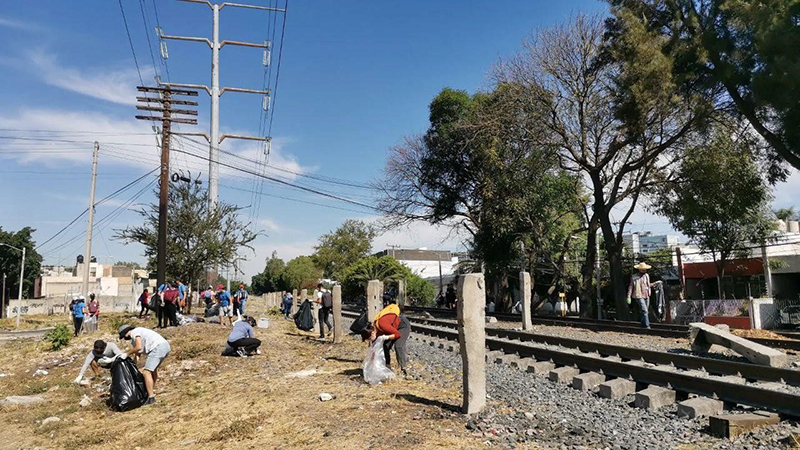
[647,242]
[433,265]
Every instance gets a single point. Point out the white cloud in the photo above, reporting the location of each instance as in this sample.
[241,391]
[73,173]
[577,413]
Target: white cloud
[116,86]
[19,24]
[269,225]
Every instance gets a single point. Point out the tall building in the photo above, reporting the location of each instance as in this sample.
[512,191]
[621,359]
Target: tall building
[647,242]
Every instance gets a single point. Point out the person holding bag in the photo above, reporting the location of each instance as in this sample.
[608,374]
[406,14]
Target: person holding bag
[390,323]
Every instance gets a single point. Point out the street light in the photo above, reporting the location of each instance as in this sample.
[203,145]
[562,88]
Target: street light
[21,278]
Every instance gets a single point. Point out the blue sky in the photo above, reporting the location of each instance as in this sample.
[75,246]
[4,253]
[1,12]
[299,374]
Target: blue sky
[356,76]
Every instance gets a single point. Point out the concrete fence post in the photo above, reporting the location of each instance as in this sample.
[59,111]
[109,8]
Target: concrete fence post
[374,299]
[303,296]
[401,292]
[471,314]
[294,301]
[525,292]
[337,314]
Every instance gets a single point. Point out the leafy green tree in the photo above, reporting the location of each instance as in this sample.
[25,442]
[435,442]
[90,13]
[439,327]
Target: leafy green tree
[10,261]
[341,248]
[787,214]
[386,269]
[197,237]
[721,224]
[300,273]
[742,51]
[269,280]
[419,291]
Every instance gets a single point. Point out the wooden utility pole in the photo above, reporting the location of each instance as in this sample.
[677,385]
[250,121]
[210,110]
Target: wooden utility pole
[166,120]
[88,253]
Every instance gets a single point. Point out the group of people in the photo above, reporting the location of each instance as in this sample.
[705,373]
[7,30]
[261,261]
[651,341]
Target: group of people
[228,305]
[447,299]
[80,311]
[166,301]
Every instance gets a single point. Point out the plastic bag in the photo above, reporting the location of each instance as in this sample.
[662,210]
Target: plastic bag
[375,370]
[304,318]
[127,385]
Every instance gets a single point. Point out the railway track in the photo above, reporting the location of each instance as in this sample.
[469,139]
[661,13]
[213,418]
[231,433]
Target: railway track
[657,329]
[733,382]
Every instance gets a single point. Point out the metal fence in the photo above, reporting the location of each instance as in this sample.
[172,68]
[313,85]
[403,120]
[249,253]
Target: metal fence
[688,311]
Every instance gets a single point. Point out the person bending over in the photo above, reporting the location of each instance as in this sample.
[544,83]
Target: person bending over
[103,354]
[389,322]
[148,342]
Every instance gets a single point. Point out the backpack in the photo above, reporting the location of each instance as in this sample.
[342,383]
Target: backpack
[327,299]
[170,295]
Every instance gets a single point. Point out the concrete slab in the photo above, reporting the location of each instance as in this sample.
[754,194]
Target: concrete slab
[563,374]
[617,389]
[699,406]
[541,367]
[654,397]
[732,425]
[588,381]
[703,336]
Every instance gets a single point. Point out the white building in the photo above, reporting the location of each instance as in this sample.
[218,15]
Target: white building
[646,242]
[428,264]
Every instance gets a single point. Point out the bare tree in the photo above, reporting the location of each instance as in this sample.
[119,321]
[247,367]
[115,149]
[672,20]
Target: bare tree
[574,78]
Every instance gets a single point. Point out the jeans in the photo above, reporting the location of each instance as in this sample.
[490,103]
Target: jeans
[78,322]
[145,311]
[287,309]
[241,306]
[248,344]
[161,313]
[169,314]
[324,319]
[398,344]
[644,306]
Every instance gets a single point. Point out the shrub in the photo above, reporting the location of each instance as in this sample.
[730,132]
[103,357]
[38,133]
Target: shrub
[58,337]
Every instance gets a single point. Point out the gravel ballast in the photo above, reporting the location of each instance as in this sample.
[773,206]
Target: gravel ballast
[525,408]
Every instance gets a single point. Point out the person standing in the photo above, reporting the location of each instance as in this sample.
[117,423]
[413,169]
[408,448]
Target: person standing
[325,301]
[143,300]
[148,342]
[94,311]
[640,290]
[78,313]
[288,300]
[181,295]
[241,297]
[171,297]
[225,307]
[243,338]
[451,297]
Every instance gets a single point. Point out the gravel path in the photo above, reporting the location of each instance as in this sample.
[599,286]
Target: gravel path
[525,408]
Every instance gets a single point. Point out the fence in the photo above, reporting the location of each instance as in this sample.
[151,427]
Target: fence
[688,311]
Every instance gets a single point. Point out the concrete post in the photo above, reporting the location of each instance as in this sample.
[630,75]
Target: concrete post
[525,292]
[303,296]
[374,299]
[337,314]
[294,301]
[401,293]
[471,314]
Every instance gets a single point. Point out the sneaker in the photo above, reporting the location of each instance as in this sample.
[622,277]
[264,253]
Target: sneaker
[150,400]
[241,352]
[258,352]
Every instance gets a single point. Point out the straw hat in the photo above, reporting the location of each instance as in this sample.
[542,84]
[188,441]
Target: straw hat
[642,266]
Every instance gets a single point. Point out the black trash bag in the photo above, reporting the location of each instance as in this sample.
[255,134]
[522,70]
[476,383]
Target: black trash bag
[229,351]
[304,318]
[360,323]
[212,310]
[127,385]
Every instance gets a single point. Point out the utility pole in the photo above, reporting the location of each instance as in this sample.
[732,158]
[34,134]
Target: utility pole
[21,280]
[215,92]
[166,119]
[3,307]
[88,258]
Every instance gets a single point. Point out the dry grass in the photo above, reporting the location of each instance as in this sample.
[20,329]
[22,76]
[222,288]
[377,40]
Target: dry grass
[230,402]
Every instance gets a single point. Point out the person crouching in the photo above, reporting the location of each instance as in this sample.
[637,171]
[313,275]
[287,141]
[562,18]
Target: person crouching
[242,338]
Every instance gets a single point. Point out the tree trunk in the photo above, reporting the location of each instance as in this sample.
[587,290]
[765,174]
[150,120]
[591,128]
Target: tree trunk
[589,307]
[720,275]
[618,285]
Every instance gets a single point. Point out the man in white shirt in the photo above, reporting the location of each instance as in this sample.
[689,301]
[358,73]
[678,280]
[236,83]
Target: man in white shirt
[148,342]
[325,301]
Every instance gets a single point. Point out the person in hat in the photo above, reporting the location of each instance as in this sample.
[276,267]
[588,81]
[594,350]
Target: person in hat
[225,307]
[78,311]
[148,342]
[640,290]
[103,354]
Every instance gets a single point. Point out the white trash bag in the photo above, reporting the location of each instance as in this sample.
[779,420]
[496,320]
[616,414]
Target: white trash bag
[375,370]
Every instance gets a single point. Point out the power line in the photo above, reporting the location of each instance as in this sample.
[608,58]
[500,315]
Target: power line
[278,70]
[130,41]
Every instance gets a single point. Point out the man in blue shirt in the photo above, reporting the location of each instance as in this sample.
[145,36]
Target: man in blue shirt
[287,305]
[241,296]
[243,339]
[225,307]
[78,310]
[181,294]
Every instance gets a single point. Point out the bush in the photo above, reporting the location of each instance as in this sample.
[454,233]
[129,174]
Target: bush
[58,337]
[116,322]
[420,292]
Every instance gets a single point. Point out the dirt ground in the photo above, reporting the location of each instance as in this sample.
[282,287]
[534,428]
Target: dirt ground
[205,400]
